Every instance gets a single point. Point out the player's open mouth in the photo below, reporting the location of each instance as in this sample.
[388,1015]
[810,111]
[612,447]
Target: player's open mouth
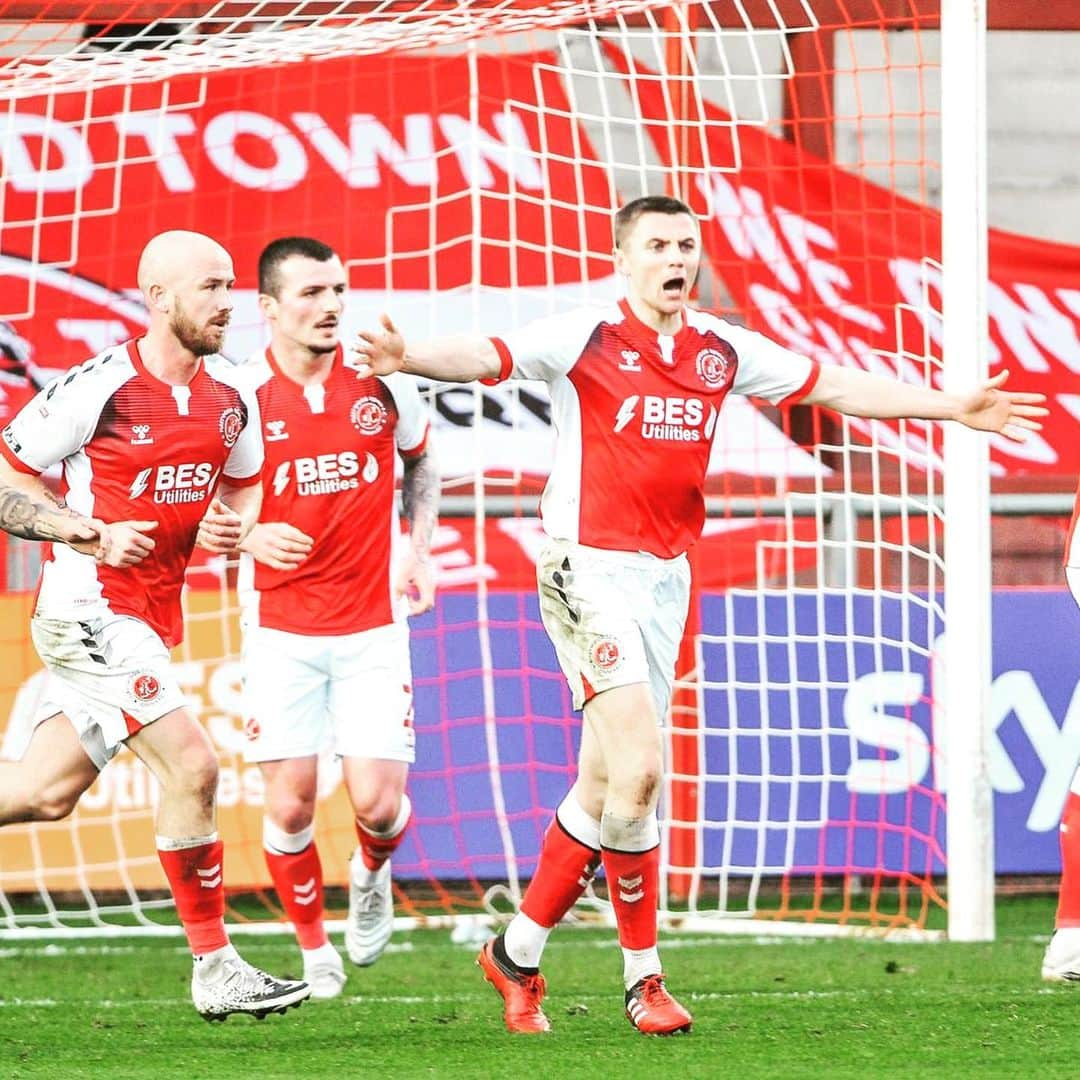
[674,286]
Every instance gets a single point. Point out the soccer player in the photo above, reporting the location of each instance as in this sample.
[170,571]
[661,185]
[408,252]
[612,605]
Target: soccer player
[326,647]
[167,451]
[1061,961]
[636,389]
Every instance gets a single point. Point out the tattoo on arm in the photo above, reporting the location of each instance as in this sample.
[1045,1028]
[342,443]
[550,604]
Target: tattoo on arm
[420,498]
[21,516]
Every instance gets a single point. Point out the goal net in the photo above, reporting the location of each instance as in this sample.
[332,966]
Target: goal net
[465,160]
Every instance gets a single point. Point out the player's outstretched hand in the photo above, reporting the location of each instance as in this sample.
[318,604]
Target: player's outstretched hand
[221,529]
[125,543]
[415,581]
[278,545]
[992,409]
[380,352]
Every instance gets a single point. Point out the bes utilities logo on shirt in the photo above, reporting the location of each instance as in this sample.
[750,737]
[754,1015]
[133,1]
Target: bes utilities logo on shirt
[676,419]
[326,473]
[188,482]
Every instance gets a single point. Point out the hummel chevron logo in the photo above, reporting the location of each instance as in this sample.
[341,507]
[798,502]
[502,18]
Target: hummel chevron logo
[628,884]
[211,876]
[305,894]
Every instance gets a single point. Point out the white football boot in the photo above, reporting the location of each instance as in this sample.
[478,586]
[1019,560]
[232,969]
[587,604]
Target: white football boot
[1061,961]
[225,984]
[324,972]
[371,911]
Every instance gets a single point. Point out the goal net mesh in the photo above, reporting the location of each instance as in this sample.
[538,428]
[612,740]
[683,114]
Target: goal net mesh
[465,160]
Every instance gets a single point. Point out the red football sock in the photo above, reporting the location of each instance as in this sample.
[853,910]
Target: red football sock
[198,887]
[565,868]
[376,849]
[633,879]
[298,879]
[1068,912]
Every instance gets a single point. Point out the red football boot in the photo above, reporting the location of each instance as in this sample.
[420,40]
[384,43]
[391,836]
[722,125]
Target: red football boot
[521,994]
[653,1011]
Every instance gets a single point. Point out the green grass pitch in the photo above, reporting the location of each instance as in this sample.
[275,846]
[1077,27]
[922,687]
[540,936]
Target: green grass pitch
[119,1008]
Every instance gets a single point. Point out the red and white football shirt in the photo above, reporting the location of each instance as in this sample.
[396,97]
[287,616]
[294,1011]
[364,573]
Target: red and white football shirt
[134,448]
[329,471]
[635,414]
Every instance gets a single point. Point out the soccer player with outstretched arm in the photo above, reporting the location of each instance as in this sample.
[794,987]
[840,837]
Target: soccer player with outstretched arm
[166,451]
[326,644]
[636,389]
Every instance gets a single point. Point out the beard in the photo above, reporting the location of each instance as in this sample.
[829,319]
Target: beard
[198,340]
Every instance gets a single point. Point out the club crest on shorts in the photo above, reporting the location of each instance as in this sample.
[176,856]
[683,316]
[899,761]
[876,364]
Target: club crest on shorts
[368,415]
[230,425]
[714,365]
[252,730]
[145,687]
[605,655]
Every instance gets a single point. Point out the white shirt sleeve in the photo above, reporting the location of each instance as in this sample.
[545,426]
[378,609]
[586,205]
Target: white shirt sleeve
[547,348]
[246,457]
[61,418]
[767,370]
[413,422]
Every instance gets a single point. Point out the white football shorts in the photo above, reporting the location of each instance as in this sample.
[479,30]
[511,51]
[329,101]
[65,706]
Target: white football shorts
[351,693]
[614,617]
[110,677]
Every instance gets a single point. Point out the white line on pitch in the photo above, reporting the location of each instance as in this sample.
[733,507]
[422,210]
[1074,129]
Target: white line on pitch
[458,999]
[55,951]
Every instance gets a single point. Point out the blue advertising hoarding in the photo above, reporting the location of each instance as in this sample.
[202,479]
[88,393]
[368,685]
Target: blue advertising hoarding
[816,745]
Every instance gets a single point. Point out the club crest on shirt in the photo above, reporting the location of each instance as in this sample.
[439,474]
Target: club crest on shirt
[230,425]
[605,655]
[714,365]
[145,687]
[368,415]
[251,728]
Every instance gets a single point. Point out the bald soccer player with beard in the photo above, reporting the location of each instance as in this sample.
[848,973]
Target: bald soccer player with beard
[159,452]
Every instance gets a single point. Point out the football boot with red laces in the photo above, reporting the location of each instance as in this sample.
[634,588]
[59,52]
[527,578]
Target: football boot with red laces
[653,1011]
[522,991]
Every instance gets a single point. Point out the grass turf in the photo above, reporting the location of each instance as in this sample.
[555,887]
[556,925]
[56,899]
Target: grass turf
[120,1009]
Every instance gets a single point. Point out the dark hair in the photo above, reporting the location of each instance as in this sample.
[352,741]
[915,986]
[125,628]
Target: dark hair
[277,251]
[627,216]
